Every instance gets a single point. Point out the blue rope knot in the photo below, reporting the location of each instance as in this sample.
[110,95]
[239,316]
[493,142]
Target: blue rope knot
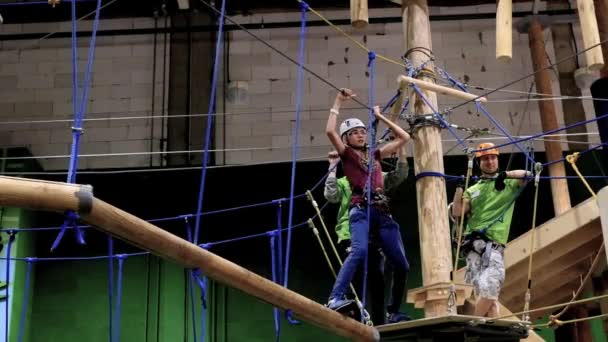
[77,130]
[205,245]
[430,174]
[272,233]
[120,256]
[279,201]
[370,56]
[31,260]
[304,6]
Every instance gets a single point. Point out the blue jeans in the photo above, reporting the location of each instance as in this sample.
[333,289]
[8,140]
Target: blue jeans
[387,231]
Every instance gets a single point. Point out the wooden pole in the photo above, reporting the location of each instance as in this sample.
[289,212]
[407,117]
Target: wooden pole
[359,17]
[435,246]
[61,197]
[591,36]
[553,149]
[573,110]
[404,82]
[601,14]
[504,31]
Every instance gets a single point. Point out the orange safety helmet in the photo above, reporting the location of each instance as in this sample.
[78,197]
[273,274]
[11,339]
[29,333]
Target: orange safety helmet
[489,151]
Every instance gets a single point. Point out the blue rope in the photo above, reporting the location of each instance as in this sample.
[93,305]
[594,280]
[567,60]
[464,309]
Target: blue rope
[275,310]
[202,283]
[192,307]
[503,130]
[280,241]
[294,152]
[580,153]
[79,108]
[191,280]
[390,103]
[11,239]
[580,123]
[439,116]
[216,63]
[26,297]
[121,260]
[371,137]
[111,287]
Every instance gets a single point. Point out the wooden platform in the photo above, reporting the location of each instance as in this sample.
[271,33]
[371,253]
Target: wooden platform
[453,328]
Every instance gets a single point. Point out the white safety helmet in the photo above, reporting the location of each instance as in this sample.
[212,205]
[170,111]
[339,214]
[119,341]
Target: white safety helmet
[349,124]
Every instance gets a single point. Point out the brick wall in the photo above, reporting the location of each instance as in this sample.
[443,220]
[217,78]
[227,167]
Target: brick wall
[36,84]
[260,111]
[36,81]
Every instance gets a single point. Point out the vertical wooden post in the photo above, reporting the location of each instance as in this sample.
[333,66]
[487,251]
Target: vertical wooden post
[504,31]
[601,14]
[553,149]
[359,17]
[435,248]
[591,36]
[573,110]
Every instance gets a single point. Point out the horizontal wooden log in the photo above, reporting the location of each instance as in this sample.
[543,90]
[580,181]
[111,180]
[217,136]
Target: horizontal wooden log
[404,82]
[61,197]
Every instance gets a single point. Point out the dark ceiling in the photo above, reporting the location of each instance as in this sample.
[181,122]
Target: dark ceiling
[29,11]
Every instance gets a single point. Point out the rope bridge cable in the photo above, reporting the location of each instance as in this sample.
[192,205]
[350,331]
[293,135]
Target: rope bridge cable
[352,39]
[544,308]
[190,283]
[549,132]
[216,63]
[438,116]
[295,142]
[557,323]
[461,219]
[275,279]
[121,259]
[572,161]
[527,297]
[551,65]
[594,264]
[26,296]
[79,107]
[502,129]
[273,48]
[371,164]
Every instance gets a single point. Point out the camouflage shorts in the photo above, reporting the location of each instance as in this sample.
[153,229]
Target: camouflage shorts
[487,280]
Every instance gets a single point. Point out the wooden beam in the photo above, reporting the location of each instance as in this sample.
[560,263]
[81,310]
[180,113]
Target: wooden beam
[601,8]
[542,283]
[590,33]
[435,245]
[405,81]
[516,283]
[183,4]
[61,197]
[548,118]
[359,17]
[504,31]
